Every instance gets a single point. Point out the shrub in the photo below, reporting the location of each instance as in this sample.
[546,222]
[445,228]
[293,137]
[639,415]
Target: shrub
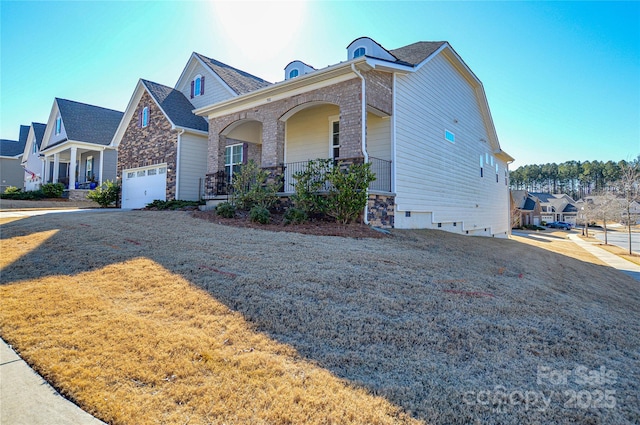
[172,205]
[226,210]
[309,185]
[260,214]
[348,193]
[250,187]
[12,189]
[52,190]
[24,196]
[295,215]
[106,194]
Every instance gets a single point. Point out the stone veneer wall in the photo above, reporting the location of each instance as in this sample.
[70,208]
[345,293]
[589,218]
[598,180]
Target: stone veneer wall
[154,144]
[381,210]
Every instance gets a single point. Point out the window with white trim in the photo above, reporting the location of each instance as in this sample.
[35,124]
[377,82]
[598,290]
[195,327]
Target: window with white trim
[481,165]
[145,116]
[232,160]
[197,86]
[294,73]
[360,51]
[58,125]
[497,171]
[131,174]
[449,136]
[335,139]
[35,147]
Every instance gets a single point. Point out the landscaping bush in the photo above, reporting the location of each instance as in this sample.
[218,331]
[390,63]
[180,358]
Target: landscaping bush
[295,215]
[250,187]
[12,189]
[52,190]
[226,210]
[106,194]
[24,196]
[174,204]
[348,193]
[260,214]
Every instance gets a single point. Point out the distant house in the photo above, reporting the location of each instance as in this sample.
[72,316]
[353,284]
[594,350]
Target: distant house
[75,146]
[526,209]
[557,207]
[417,114]
[11,173]
[162,146]
[32,164]
[617,208]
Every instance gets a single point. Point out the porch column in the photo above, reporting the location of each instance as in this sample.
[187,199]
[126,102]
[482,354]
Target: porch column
[272,143]
[100,162]
[45,170]
[72,168]
[56,167]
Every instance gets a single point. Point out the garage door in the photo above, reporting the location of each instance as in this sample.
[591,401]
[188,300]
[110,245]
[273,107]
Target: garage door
[141,186]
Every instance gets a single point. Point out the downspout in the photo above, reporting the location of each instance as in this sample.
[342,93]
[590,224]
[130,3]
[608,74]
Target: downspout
[363,111]
[178,163]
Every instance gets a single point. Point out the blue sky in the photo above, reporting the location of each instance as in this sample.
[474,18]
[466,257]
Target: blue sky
[562,78]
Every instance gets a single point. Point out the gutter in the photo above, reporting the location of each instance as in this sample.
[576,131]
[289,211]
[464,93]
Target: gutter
[363,109]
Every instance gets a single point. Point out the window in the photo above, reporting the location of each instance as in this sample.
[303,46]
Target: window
[35,147]
[335,139]
[145,116]
[89,168]
[496,172]
[505,177]
[232,160]
[449,136]
[131,174]
[58,125]
[481,166]
[141,173]
[294,73]
[197,86]
[152,172]
[359,52]
[162,170]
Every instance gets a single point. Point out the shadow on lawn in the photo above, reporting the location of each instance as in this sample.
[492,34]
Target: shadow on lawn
[425,319]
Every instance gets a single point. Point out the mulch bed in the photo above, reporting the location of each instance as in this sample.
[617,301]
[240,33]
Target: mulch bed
[313,227]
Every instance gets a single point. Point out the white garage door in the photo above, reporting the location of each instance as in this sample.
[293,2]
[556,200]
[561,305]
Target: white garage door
[140,186]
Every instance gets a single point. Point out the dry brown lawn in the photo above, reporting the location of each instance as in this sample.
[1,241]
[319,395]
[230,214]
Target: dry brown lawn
[157,317]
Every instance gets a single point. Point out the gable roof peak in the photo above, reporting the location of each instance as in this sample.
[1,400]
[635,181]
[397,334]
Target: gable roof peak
[239,81]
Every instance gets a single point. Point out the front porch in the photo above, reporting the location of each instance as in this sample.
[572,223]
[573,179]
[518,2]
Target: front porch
[79,167]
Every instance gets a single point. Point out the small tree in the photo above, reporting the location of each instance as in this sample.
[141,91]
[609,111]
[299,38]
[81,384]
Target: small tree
[607,208]
[348,193]
[629,186]
[309,186]
[106,194]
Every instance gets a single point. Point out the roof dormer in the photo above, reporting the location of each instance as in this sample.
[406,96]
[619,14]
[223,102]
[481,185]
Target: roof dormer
[364,46]
[297,68]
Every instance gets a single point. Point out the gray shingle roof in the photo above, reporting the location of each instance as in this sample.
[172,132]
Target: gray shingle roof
[11,147]
[176,106]
[38,130]
[415,53]
[24,133]
[88,123]
[240,82]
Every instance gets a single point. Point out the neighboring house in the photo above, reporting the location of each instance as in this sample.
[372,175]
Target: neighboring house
[32,164]
[11,173]
[557,207]
[418,114]
[617,209]
[75,146]
[162,146]
[525,209]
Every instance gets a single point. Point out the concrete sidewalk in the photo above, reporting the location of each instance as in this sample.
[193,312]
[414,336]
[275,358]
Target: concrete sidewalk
[27,399]
[612,260]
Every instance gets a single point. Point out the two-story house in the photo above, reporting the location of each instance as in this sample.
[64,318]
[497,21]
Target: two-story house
[32,163]
[417,113]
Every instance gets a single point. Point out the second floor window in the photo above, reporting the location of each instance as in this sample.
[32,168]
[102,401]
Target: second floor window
[145,116]
[359,52]
[294,73]
[58,125]
[197,86]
